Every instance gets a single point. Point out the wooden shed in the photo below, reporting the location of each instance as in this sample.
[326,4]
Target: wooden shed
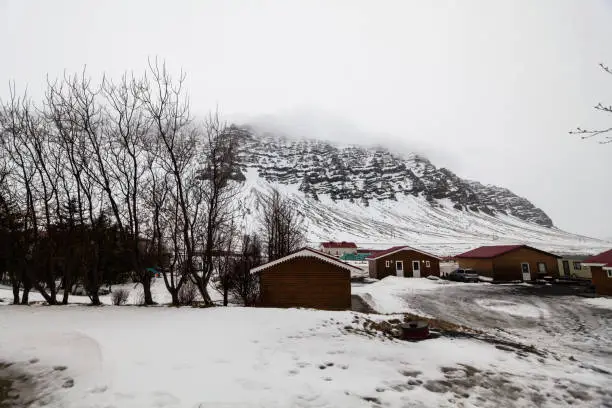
[601,271]
[510,262]
[306,278]
[403,261]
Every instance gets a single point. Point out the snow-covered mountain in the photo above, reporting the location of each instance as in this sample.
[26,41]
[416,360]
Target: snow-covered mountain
[377,198]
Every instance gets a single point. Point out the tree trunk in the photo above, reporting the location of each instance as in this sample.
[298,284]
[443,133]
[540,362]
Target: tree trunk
[146,287]
[175,298]
[225,292]
[15,292]
[25,296]
[95,299]
[67,286]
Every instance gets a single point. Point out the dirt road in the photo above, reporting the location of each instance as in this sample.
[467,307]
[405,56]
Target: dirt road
[550,316]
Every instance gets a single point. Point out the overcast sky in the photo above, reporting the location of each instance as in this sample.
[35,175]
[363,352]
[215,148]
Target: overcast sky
[486,88]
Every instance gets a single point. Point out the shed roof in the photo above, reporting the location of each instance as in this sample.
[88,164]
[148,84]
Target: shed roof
[309,252]
[343,244]
[604,259]
[493,251]
[380,254]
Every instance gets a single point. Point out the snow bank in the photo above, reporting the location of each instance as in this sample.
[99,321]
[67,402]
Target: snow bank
[514,308]
[390,294]
[601,302]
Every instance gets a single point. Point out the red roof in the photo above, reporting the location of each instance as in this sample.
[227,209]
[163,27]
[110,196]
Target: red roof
[494,251]
[603,258]
[379,254]
[342,244]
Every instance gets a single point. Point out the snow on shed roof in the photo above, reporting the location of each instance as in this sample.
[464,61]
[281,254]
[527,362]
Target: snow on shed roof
[309,252]
[343,244]
[604,259]
[496,250]
[392,250]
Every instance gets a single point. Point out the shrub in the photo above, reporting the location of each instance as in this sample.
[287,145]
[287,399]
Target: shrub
[120,296]
[188,293]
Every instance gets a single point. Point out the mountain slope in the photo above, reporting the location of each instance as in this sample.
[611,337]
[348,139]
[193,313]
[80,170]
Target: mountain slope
[376,198]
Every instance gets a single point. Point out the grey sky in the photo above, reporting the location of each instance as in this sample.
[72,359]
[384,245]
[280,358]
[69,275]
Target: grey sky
[487,88]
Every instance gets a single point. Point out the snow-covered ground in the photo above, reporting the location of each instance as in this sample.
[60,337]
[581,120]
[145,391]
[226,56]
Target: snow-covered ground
[602,302]
[390,294]
[242,357]
[78,356]
[549,317]
[158,291]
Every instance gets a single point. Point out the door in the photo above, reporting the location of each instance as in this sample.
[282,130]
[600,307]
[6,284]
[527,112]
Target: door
[416,269]
[399,268]
[526,271]
[566,268]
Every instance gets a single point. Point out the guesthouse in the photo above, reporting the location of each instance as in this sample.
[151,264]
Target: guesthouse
[573,267]
[510,262]
[338,248]
[601,271]
[306,278]
[403,261]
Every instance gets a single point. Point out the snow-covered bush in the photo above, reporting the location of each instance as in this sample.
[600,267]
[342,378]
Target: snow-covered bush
[188,293]
[120,296]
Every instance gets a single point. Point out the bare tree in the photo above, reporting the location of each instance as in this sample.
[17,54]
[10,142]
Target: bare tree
[225,259]
[215,206]
[603,134]
[282,225]
[244,285]
[127,127]
[24,139]
[166,104]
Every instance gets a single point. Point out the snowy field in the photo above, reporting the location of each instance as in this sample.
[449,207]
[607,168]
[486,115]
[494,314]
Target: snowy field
[552,318]
[238,357]
[79,356]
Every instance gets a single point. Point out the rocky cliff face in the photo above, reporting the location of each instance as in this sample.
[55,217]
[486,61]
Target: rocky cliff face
[361,174]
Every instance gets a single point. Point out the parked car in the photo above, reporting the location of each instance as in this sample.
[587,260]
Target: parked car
[464,275]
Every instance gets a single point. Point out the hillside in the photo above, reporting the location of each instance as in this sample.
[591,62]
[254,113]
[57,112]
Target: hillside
[376,198]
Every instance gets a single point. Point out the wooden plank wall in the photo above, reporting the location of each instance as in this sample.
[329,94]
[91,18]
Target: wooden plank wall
[306,282]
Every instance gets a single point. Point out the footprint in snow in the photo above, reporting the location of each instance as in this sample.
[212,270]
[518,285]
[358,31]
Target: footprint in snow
[99,390]
[68,383]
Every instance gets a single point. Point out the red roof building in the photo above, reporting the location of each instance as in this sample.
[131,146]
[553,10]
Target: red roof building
[404,262]
[343,244]
[601,272]
[510,262]
[338,248]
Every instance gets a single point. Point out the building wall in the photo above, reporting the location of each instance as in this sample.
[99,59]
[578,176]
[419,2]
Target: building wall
[483,267]
[584,272]
[337,251]
[507,267]
[306,282]
[601,281]
[372,271]
[378,268]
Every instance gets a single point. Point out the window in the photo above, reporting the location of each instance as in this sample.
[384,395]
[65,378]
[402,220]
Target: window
[427,264]
[387,264]
[609,273]
[541,267]
[577,266]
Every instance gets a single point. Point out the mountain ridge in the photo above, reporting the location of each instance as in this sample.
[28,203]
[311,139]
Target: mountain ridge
[358,173]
